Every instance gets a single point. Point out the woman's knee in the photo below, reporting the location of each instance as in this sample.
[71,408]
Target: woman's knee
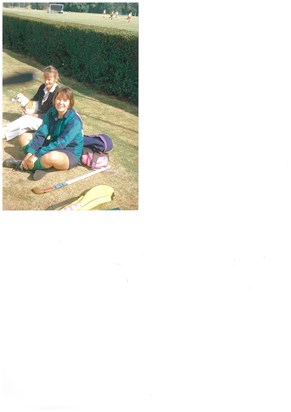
[55,159]
[25,138]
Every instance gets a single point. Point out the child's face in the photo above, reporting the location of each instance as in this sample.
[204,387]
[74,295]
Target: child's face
[49,80]
[62,104]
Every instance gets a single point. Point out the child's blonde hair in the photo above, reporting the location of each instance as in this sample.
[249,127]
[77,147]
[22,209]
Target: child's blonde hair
[52,70]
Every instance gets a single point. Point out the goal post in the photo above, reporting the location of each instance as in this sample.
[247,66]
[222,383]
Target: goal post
[55,8]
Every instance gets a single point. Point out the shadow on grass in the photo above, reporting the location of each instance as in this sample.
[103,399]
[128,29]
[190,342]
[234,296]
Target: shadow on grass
[87,91]
[10,116]
[14,151]
[112,123]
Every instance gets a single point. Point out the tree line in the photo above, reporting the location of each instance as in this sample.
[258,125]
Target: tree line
[120,8]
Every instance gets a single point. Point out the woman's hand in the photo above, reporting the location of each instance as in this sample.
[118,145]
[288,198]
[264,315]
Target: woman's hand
[28,161]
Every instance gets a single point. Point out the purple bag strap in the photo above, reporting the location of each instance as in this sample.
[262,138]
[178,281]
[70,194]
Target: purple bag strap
[104,142]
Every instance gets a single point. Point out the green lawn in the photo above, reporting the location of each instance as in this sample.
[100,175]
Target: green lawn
[91,19]
[100,114]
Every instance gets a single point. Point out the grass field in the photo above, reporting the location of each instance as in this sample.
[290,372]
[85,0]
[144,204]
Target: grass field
[100,114]
[91,19]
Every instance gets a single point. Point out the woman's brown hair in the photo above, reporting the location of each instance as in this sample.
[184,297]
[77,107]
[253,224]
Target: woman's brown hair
[68,93]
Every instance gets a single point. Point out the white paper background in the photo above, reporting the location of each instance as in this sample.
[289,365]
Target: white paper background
[183,305]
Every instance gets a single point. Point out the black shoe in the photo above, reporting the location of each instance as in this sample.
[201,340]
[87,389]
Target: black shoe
[39,174]
[13,164]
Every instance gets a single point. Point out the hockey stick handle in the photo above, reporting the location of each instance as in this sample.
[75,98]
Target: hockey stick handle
[40,191]
[76,179]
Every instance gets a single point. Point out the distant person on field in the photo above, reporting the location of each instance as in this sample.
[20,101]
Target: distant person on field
[116,14]
[57,144]
[111,15]
[104,12]
[129,17]
[44,96]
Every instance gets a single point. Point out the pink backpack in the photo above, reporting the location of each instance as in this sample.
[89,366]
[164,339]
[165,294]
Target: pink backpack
[94,160]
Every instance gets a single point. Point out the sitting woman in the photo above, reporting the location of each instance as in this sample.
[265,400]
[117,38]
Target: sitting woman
[44,96]
[58,143]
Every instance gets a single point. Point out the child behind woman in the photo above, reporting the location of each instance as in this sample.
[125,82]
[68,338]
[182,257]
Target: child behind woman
[44,96]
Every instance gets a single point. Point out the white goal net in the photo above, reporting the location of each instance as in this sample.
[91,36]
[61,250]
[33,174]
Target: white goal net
[56,8]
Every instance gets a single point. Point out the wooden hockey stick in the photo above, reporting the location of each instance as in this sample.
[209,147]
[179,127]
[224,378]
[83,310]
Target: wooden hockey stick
[40,191]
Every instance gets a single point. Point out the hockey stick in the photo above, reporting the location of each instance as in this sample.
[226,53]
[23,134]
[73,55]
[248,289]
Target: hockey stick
[40,191]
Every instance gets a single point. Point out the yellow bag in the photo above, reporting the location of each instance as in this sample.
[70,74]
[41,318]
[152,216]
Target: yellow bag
[91,198]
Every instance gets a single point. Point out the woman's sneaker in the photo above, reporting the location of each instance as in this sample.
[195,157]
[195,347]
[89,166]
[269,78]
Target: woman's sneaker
[39,174]
[13,164]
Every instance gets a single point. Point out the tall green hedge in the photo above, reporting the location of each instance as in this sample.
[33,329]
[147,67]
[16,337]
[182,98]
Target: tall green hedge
[107,59]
